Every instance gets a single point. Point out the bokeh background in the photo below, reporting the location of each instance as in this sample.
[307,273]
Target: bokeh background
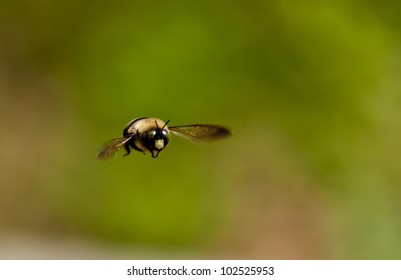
[310,89]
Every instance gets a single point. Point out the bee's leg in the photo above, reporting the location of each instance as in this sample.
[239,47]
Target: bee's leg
[155,155]
[126,146]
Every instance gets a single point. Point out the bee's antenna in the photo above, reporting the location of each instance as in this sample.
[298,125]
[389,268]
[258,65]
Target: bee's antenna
[165,124]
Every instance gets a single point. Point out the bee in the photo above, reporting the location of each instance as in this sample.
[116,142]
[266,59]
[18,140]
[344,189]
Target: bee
[152,135]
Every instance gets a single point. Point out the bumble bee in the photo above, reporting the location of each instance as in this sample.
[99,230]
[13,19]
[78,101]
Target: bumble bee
[152,135]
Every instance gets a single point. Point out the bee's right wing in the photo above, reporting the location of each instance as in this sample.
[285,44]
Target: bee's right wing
[200,133]
[113,146]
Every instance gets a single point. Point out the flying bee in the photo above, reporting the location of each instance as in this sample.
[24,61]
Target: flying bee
[152,135]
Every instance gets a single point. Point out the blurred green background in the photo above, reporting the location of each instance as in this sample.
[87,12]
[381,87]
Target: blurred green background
[311,90]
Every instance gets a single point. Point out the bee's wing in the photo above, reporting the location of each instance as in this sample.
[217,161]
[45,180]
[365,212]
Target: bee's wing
[200,133]
[112,147]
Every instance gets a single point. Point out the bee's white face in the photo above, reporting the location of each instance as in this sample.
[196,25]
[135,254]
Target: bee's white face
[159,144]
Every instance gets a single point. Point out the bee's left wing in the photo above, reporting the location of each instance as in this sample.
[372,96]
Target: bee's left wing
[200,133]
[112,147]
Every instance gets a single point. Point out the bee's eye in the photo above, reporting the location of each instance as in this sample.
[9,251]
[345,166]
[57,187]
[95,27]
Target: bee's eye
[151,134]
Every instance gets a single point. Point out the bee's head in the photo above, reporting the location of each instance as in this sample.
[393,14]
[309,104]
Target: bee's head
[156,139]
